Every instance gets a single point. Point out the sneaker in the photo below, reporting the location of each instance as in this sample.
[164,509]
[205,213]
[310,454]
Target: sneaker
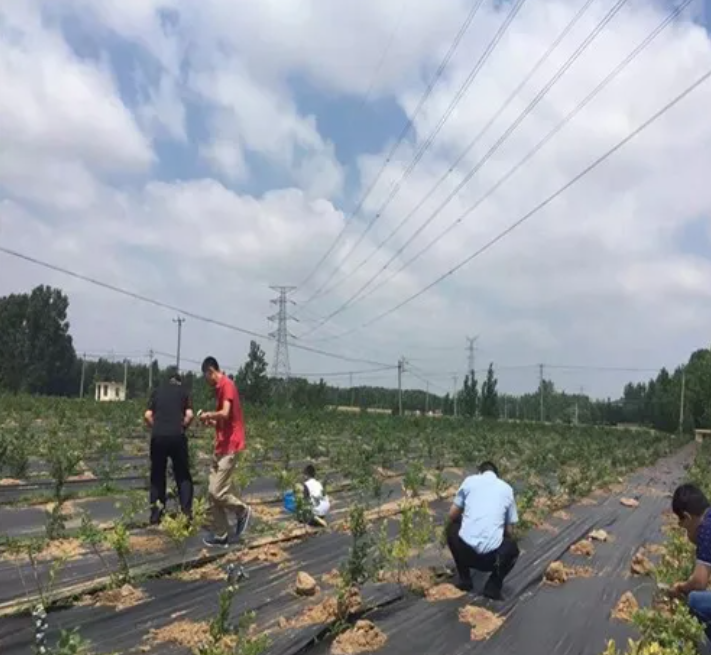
[465,585]
[318,522]
[243,522]
[492,590]
[214,541]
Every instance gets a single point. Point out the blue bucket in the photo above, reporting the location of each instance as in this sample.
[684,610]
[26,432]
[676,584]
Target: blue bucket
[290,502]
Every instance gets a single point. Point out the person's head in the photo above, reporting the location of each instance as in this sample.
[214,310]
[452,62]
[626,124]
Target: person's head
[309,471]
[176,378]
[211,371]
[689,504]
[487,466]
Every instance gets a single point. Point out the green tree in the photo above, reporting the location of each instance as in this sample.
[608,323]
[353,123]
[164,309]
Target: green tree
[469,397]
[36,350]
[252,377]
[489,395]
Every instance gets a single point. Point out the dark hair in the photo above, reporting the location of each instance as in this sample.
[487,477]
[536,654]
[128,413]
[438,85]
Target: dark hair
[488,466]
[310,471]
[689,499]
[208,363]
[177,378]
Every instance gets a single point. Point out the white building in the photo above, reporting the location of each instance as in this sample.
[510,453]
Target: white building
[110,391]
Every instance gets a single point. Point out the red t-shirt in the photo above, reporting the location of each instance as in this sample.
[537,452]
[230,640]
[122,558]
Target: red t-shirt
[229,432]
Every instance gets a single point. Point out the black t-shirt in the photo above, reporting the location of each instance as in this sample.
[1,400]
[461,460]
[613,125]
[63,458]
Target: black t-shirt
[168,404]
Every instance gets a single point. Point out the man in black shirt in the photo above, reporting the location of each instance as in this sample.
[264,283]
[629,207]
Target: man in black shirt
[168,415]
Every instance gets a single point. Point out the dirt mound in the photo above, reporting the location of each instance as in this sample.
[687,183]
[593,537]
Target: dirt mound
[144,543]
[417,580]
[625,608]
[305,585]
[558,573]
[270,554]
[629,502]
[208,572]
[443,591]
[583,548]
[9,482]
[599,535]
[483,623]
[267,512]
[562,515]
[364,637]
[332,578]
[185,633]
[641,564]
[120,599]
[324,612]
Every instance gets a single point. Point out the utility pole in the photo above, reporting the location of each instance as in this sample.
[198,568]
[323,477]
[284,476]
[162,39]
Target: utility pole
[456,393]
[681,402]
[281,369]
[180,320]
[125,378]
[83,375]
[471,348]
[427,399]
[400,369]
[506,408]
[150,369]
[350,375]
[540,389]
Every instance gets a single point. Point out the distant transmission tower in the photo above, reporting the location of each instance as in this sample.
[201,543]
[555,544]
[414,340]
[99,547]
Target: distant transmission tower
[281,369]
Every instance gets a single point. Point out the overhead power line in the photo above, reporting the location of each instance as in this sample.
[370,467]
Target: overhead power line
[395,189]
[403,134]
[620,144]
[470,147]
[545,140]
[174,308]
[487,156]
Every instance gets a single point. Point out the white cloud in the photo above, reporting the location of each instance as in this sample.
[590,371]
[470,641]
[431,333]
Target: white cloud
[597,277]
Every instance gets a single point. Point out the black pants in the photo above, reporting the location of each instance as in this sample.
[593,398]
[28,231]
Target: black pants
[499,562]
[176,448]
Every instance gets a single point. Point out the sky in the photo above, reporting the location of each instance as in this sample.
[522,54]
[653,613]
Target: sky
[366,153]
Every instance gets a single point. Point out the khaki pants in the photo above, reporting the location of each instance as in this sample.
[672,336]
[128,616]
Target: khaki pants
[220,496]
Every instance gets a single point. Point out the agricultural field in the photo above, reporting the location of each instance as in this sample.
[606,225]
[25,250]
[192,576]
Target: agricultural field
[78,558]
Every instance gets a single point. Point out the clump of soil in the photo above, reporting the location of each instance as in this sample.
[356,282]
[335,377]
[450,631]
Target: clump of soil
[56,549]
[305,585]
[562,515]
[188,634]
[120,599]
[641,564]
[547,527]
[443,591]
[587,502]
[629,502]
[144,543]
[625,608]
[207,572]
[599,535]
[271,554]
[655,549]
[326,611]
[417,580]
[68,508]
[583,548]
[9,482]
[483,623]
[558,573]
[364,637]
[85,475]
[266,512]
[332,578]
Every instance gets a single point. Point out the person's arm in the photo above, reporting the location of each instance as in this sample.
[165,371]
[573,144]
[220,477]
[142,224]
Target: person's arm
[188,414]
[457,508]
[149,414]
[224,411]
[698,581]
[511,518]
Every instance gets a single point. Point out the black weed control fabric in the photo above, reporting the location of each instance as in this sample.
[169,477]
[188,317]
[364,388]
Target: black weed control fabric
[573,619]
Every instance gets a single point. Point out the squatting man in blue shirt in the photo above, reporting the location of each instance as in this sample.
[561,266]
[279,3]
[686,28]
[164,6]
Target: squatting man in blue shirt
[479,530]
[691,507]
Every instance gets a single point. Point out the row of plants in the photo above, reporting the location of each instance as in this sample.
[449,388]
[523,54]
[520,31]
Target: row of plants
[667,627]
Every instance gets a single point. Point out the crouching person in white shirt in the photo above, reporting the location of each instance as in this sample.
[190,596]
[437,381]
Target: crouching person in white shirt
[317,503]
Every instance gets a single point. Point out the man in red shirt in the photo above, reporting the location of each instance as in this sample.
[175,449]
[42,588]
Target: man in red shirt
[229,442]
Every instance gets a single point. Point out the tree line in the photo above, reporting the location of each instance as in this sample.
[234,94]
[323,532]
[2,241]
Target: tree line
[37,356]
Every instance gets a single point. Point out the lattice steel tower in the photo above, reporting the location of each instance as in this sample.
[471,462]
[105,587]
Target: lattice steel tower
[281,369]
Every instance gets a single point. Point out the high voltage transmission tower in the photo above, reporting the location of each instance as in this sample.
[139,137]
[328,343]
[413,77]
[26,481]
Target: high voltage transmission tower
[281,369]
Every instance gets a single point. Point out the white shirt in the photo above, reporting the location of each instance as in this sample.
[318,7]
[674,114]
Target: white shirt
[319,501]
[487,505]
